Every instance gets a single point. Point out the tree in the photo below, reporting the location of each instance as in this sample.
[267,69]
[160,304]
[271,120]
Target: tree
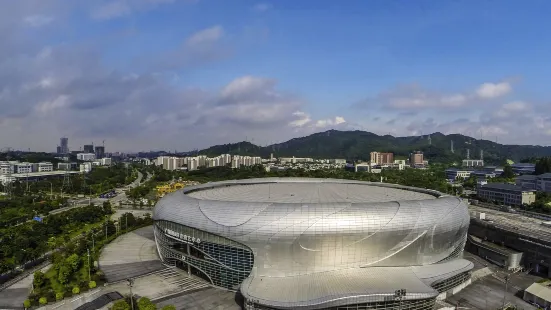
[121,305]
[27,304]
[43,300]
[508,172]
[145,303]
[63,274]
[543,165]
[59,296]
[73,262]
[38,280]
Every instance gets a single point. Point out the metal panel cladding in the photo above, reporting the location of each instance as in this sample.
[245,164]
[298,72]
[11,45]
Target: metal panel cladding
[304,232]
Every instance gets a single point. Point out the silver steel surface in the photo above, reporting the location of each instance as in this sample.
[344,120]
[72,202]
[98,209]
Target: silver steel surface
[328,242]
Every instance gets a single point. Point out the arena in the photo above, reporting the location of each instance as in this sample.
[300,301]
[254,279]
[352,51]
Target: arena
[294,243]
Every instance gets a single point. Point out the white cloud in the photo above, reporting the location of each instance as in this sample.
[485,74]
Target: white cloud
[111,10]
[493,90]
[206,36]
[262,7]
[37,20]
[512,108]
[414,97]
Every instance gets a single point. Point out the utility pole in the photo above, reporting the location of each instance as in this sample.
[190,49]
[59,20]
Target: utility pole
[130,284]
[505,293]
[89,277]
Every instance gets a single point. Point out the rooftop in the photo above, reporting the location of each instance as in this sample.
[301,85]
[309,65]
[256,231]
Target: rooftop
[296,190]
[504,186]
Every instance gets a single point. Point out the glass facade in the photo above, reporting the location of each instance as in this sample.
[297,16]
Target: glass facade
[451,282]
[221,261]
[419,304]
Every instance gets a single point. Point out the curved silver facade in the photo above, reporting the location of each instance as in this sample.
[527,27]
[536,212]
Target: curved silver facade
[294,243]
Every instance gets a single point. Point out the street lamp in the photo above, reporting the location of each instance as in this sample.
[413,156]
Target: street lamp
[505,293]
[130,284]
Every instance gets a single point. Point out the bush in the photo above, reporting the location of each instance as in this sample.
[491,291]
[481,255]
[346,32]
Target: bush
[121,305]
[27,303]
[76,290]
[58,296]
[169,307]
[43,300]
[145,303]
[92,284]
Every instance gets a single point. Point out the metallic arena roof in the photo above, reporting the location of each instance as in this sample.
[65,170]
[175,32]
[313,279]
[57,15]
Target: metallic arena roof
[307,191]
[329,242]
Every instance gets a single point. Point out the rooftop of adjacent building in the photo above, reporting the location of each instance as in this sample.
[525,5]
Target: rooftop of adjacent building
[503,186]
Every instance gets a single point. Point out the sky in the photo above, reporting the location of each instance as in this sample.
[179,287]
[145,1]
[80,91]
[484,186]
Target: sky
[187,74]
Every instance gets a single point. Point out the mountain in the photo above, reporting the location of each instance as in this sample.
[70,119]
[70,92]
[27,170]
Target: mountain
[356,145]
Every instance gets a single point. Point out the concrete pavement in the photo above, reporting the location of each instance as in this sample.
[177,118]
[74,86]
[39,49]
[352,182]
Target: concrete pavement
[130,255]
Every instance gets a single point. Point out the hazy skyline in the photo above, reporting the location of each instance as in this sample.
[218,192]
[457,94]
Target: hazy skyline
[186,74]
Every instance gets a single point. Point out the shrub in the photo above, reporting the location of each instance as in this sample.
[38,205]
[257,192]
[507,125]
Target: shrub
[145,303]
[92,284]
[58,296]
[76,290]
[169,307]
[43,300]
[27,303]
[121,305]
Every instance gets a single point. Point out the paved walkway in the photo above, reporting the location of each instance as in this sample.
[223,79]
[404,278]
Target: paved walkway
[14,296]
[130,255]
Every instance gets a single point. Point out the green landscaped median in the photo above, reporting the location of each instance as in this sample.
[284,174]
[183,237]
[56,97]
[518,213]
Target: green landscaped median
[73,271]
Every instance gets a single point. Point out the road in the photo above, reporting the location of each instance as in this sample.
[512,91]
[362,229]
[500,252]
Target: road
[121,196]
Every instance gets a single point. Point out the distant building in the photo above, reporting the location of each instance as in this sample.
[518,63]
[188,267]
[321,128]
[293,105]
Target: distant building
[66,166]
[508,194]
[363,167]
[23,168]
[45,167]
[88,148]
[471,163]
[381,158]
[453,173]
[523,168]
[86,156]
[100,152]
[416,159]
[86,167]
[63,146]
[541,183]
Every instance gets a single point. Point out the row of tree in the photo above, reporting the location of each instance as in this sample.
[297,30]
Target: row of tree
[73,271]
[27,242]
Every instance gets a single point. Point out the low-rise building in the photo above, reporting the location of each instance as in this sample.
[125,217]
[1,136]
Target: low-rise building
[86,167]
[453,173]
[539,293]
[523,168]
[45,167]
[472,163]
[508,194]
[527,181]
[362,167]
[541,183]
[23,168]
[86,156]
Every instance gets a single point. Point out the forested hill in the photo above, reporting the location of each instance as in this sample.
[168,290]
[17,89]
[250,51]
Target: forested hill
[356,145]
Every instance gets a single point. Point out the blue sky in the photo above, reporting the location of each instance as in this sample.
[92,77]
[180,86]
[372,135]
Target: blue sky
[184,74]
